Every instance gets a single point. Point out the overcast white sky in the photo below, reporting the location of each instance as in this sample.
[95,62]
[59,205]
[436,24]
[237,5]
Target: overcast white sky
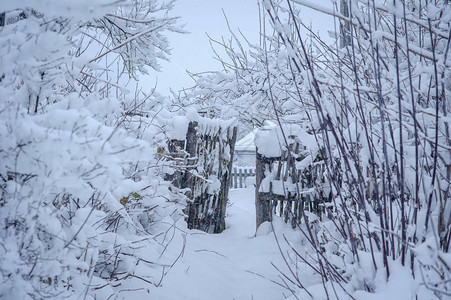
[193,52]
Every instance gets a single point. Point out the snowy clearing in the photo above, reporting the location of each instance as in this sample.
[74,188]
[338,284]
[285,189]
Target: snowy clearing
[235,264]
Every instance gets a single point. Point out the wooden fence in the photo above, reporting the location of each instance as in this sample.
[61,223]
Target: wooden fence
[203,163]
[277,184]
[239,176]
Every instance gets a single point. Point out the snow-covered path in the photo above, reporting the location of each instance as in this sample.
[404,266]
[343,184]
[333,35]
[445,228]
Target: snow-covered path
[232,265]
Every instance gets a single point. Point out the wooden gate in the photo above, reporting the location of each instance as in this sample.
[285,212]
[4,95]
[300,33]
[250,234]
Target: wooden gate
[277,180]
[204,162]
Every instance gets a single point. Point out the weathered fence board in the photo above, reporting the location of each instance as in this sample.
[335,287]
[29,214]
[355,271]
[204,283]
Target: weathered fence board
[239,176]
[205,158]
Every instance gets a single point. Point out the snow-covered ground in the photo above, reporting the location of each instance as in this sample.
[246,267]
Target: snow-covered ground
[235,264]
[239,264]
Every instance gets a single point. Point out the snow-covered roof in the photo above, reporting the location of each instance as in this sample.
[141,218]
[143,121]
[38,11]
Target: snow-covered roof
[247,142]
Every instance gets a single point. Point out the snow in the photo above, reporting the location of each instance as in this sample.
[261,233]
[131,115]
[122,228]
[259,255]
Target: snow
[270,142]
[240,263]
[235,264]
[214,185]
[267,141]
[177,127]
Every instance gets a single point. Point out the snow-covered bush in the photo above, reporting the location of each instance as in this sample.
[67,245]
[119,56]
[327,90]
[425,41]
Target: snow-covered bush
[379,109]
[82,189]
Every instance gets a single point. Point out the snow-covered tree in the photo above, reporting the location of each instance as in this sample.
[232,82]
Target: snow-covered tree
[82,189]
[240,89]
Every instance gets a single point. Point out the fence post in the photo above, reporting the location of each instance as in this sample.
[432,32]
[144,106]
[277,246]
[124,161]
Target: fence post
[226,180]
[190,148]
[262,200]
[240,178]
[245,176]
[2,19]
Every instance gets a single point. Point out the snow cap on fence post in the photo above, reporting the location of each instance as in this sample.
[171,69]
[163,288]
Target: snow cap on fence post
[267,141]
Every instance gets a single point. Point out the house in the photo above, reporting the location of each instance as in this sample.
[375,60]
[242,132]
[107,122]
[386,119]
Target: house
[245,151]
[244,159]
